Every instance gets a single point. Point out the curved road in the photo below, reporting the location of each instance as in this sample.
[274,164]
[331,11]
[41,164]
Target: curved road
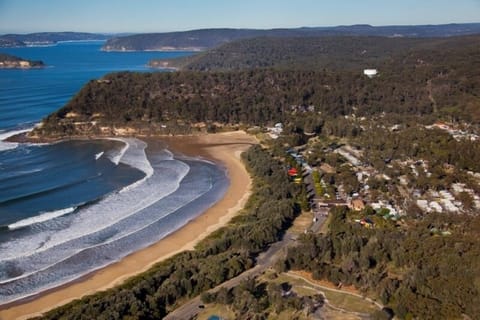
[265,260]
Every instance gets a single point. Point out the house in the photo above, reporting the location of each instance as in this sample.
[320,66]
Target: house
[370,72]
[357,204]
[276,131]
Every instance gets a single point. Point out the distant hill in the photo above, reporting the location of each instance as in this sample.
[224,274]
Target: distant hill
[316,53]
[208,38]
[46,38]
[12,62]
[337,52]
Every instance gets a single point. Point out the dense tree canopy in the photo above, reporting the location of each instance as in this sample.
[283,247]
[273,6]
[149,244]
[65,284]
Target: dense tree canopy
[417,273]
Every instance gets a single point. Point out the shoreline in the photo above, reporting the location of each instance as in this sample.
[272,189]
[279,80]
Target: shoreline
[223,148]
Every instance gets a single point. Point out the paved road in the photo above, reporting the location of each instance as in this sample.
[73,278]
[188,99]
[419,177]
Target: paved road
[191,308]
[318,223]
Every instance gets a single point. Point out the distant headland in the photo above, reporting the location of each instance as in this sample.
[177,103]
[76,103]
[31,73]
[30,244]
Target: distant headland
[204,39]
[12,62]
[47,38]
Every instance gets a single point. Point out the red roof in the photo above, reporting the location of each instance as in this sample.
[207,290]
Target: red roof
[292,172]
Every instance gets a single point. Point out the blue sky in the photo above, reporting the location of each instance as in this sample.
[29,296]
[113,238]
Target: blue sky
[158,16]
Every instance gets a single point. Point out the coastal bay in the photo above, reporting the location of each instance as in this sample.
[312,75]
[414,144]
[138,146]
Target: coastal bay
[224,148]
[43,191]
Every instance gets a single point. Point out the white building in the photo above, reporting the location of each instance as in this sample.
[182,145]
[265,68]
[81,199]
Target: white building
[370,72]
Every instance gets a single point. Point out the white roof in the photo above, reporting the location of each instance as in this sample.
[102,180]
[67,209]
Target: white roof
[370,71]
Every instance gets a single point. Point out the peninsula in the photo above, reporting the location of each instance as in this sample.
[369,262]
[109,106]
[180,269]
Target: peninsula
[47,38]
[12,62]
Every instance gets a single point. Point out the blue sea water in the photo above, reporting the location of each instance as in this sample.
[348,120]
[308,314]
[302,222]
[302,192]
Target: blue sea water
[26,96]
[71,207]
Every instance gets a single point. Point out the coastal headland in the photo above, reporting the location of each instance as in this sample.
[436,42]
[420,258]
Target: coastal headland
[13,62]
[223,148]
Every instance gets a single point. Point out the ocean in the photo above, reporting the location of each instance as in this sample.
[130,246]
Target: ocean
[71,207]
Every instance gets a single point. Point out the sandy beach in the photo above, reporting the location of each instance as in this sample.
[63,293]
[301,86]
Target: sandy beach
[224,148]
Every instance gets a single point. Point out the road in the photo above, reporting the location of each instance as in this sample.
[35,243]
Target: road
[265,260]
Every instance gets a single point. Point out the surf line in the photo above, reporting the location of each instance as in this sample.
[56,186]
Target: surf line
[45,216]
[133,151]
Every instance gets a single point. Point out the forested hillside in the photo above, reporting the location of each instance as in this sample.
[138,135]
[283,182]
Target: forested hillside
[333,53]
[341,52]
[254,98]
[437,81]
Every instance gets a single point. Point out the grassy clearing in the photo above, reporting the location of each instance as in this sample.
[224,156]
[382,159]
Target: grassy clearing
[302,222]
[341,300]
[349,302]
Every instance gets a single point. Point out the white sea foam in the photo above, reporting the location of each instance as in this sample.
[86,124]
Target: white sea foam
[167,210]
[4,145]
[24,172]
[41,218]
[49,268]
[99,155]
[116,157]
[136,151]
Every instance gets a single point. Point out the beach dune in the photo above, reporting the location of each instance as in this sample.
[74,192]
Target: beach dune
[224,148]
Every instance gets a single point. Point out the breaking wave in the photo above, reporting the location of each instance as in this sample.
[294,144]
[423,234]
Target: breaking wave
[41,218]
[5,145]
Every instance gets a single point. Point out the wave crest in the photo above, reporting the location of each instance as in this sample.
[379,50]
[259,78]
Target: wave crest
[41,218]
[4,145]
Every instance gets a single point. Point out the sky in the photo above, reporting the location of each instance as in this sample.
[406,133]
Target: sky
[113,16]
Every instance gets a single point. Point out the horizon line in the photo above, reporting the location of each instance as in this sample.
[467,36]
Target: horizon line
[2,33]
